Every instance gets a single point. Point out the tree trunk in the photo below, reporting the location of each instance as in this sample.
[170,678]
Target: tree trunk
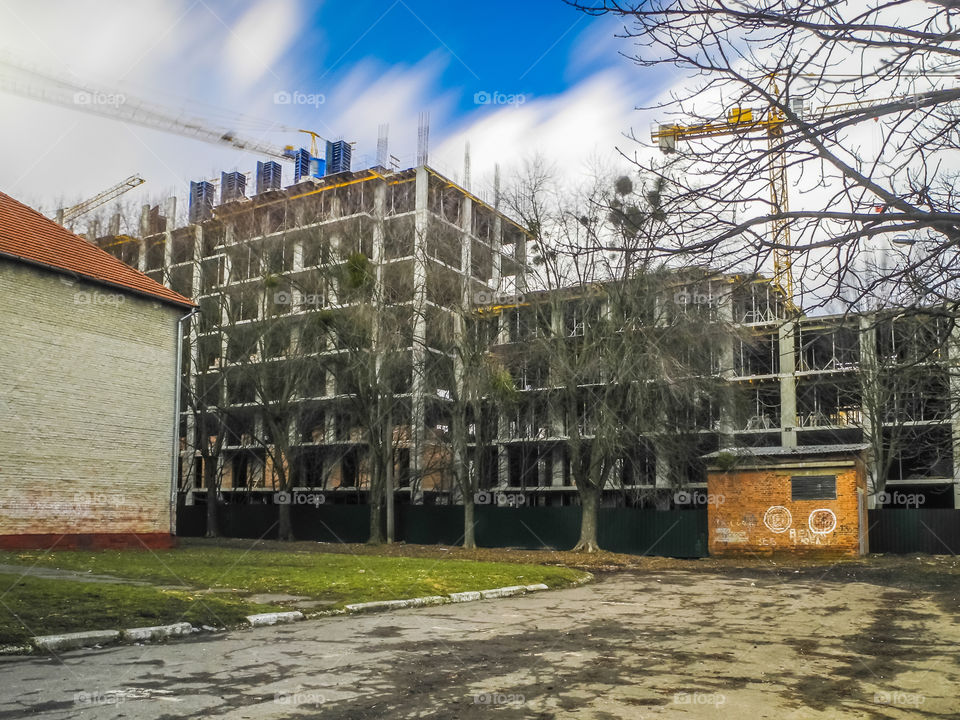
[285,531]
[213,502]
[589,504]
[376,522]
[388,482]
[469,534]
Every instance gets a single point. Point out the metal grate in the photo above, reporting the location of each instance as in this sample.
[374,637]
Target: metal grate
[813,487]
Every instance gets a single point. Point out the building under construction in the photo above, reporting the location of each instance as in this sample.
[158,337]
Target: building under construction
[430,250]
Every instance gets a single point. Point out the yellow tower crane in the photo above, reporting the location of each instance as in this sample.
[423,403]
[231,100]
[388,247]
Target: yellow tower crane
[68,215]
[771,121]
[54,88]
[742,121]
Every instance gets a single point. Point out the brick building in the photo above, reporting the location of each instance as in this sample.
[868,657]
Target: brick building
[767,500]
[88,351]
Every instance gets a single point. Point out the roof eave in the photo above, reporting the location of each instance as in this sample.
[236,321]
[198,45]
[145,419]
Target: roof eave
[100,281]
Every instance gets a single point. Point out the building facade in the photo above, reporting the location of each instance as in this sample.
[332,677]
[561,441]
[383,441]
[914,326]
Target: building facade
[268,266]
[88,349]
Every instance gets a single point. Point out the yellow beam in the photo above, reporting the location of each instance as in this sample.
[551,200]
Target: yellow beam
[716,129]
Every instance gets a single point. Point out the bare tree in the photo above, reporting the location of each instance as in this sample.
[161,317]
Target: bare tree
[273,360]
[847,108]
[482,387]
[204,394]
[906,394]
[625,355]
[371,337]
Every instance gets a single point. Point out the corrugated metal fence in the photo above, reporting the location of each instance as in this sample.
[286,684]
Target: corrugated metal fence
[672,533]
[932,531]
[665,533]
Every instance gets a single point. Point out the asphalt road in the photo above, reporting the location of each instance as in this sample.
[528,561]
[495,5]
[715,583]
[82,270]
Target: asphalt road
[742,643]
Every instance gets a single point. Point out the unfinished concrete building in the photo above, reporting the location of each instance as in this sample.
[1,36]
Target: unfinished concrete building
[430,245]
[431,249]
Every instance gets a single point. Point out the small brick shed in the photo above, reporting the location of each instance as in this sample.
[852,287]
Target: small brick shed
[810,500]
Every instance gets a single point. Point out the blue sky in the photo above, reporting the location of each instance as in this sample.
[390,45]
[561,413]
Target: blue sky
[549,81]
[516,47]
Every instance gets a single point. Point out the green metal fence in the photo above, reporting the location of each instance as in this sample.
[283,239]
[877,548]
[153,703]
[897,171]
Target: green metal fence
[667,533]
[932,531]
[664,533]
[326,523]
[674,533]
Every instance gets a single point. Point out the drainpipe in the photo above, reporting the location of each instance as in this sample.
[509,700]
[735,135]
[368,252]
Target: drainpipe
[176,422]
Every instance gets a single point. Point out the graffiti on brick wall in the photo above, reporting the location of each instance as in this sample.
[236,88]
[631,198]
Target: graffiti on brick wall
[726,535]
[735,530]
[820,523]
[778,520]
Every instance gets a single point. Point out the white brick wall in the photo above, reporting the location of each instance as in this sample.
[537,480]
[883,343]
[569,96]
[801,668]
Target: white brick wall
[87,385]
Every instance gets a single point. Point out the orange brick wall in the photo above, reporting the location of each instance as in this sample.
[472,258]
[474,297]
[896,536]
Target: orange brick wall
[751,512]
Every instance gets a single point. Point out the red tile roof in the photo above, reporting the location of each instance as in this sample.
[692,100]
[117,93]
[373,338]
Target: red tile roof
[27,235]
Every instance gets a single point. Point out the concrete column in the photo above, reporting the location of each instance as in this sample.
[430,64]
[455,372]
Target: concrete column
[788,384]
[953,362]
[145,219]
[297,266]
[459,329]
[170,212]
[496,243]
[417,400]
[193,365]
[555,418]
[503,466]
[141,245]
[520,255]
[558,461]
[167,254]
[728,420]
[333,291]
[868,364]
[224,304]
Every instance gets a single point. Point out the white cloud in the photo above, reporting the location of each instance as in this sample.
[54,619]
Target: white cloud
[258,39]
[184,57]
[575,130]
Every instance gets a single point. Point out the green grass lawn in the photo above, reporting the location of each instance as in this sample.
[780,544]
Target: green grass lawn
[39,606]
[47,606]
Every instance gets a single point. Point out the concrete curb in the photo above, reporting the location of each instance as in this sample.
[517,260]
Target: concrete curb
[70,641]
[274,618]
[15,649]
[397,604]
[460,597]
[503,592]
[156,632]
